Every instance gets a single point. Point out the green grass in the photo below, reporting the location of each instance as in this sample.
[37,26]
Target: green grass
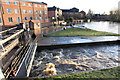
[80,32]
[104,74]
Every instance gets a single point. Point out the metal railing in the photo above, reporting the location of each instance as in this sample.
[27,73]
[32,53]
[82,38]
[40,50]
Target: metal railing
[9,42]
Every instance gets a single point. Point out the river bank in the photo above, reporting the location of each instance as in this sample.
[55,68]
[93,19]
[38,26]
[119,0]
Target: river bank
[103,74]
[80,32]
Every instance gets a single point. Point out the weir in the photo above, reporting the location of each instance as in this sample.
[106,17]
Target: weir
[17,50]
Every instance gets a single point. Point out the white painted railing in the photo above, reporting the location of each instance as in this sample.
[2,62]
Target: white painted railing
[6,49]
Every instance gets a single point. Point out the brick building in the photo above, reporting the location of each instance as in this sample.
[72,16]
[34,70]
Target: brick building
[1,17]
[74,13]
[54,12]
[11,13]
[15,12]
[1,22]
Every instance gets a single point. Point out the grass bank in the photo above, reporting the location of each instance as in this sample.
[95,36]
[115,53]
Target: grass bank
[69,32]
[103,74]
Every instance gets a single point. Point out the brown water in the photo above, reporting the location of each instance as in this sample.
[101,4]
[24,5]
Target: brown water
[77,59]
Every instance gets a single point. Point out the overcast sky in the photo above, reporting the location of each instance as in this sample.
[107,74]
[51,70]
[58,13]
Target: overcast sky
[98,6]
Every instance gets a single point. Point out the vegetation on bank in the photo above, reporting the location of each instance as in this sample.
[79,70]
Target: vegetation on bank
[115,15]
[103,74]
[80,32]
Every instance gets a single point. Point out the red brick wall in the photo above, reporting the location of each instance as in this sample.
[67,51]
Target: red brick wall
[37,8]
[51,14]
[28,14]
[1,19]
[22,15]
[12,14]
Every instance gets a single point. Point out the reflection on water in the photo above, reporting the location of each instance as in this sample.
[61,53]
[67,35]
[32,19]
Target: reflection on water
[104,26]
[76,59]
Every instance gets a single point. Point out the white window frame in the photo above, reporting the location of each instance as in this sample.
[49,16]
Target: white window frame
[15,3]
[9,10]
[23,4]
[17,19]
[16,11]
[10,19]
[24,11]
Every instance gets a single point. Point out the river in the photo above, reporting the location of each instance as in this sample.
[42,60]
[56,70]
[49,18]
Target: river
[82,58]
[106,26]
[77,59]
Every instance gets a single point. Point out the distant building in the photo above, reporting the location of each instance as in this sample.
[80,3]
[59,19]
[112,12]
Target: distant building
[74,10]
[54,12]
[74,13]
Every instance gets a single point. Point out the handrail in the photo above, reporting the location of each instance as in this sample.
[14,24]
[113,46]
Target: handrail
[8,48]
[12,36]
[7,30]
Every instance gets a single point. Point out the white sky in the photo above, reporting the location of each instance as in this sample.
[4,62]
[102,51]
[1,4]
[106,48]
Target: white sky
[97,6]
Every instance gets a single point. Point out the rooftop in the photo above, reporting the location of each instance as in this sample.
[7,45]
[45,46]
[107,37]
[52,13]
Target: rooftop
[34,2]
[52,8]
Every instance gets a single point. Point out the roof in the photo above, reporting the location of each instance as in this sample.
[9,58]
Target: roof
[70,10]
[65,10]
[52,8]
[34,2]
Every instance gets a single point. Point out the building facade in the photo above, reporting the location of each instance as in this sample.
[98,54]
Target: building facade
[1,22]
[54,13]
[74,13]
[15,12]
[11,13]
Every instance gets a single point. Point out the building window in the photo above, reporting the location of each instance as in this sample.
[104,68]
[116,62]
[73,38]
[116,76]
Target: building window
[45,12]
[9,10]
[16,11]
[7,2]
[25,11]
[45,6]
[41,18]
[0,20]
[17,19]
[31,18]
[37,18]
[36,5]
[25,18]
[29,4]
[30,11]
[10,19]
[23,4]
[40,12]
[40,5]
[15,3]
[36,11]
